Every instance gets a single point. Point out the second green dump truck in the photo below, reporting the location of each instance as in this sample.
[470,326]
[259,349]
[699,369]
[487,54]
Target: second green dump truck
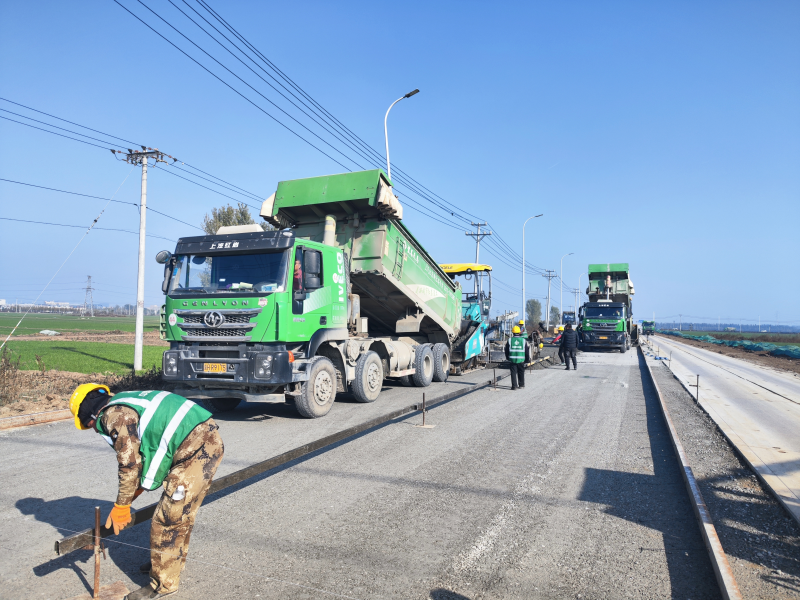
[337,298]
[606,321]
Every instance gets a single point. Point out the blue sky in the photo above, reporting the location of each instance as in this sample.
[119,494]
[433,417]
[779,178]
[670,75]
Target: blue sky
[663,134]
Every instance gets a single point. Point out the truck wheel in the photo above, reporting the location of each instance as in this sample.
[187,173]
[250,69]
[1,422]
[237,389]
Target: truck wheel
[318,393]
[405,380]
[623,349]
[369,377]
[222,404]
[441,362]
[423,366]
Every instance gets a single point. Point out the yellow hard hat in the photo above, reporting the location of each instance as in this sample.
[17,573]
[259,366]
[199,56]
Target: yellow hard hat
[79,395]
[541,345]
[561,328]
[516,329]
[522,321]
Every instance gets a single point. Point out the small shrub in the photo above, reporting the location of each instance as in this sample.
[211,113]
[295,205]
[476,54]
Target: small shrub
[40,363]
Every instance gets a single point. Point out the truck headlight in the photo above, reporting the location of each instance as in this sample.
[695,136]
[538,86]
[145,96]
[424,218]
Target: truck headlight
[263,366]
[170,366]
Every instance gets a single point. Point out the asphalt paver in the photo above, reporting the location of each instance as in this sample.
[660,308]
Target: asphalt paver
[568,488]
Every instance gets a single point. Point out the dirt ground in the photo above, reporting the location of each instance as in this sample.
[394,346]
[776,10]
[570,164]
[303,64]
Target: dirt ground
[109,337]
[51,390]
[759,358]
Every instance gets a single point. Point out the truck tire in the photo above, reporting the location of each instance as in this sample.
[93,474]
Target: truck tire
[423,366]
[369,377]
[441,362]
[624,348]
[318,393]
[405,380]
[216,405]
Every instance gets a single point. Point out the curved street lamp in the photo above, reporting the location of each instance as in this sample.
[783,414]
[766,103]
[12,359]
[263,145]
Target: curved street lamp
[386,132]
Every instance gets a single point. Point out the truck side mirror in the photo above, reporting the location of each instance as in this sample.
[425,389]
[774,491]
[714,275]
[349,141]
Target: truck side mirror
[163,257]
[312,266]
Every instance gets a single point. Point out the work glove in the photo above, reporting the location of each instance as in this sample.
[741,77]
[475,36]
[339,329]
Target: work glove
[120,516]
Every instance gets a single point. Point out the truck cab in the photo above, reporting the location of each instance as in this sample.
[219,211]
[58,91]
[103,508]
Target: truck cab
[603,325]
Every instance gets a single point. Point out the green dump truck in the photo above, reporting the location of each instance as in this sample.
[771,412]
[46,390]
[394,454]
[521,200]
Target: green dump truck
[606,321]
[337,298]
[648,327]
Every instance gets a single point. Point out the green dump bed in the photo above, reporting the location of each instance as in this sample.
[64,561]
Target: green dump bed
[402,290]
[621,286]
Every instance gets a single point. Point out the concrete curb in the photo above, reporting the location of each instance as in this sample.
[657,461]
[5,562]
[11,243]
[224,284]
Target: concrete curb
[719,561]
[34,419]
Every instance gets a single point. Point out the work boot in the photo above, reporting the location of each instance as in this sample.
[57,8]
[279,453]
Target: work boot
[146,593]
[567,369]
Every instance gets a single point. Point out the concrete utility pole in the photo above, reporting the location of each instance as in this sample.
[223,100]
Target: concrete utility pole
[549,274]
[561,277]
[479,235]
[140,158]
[386,132]
[680,327]
[524,299]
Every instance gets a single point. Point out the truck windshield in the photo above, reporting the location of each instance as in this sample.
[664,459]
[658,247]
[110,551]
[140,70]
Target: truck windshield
[595,312]
[226,274]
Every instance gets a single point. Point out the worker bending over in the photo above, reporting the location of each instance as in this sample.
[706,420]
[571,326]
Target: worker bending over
[160,438]
[569,346]
[518,353]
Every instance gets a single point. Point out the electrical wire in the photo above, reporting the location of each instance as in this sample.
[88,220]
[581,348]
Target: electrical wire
[99,198]
[82,226]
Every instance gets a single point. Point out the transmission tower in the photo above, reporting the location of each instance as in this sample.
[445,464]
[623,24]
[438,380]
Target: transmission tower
[88,301]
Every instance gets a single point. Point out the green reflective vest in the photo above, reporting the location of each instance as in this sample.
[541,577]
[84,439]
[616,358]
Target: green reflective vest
[165,419]
[516,349]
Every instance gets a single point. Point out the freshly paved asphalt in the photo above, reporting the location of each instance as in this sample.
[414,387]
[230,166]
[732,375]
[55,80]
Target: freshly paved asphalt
[568,488]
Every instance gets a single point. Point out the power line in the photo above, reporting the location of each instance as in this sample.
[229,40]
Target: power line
[83,226]
[99,198]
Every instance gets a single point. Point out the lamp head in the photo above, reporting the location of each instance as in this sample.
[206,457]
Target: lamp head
[409,94]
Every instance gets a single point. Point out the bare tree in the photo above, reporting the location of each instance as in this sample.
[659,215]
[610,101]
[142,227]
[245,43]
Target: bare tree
[226,216]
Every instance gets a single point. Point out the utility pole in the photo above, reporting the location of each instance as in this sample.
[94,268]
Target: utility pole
[140,158]
[680,327]
[478,235]
[88,301]
[549,274]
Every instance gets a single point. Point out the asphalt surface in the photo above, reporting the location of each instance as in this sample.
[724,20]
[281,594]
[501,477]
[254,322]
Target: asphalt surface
[568,488]
[757,407]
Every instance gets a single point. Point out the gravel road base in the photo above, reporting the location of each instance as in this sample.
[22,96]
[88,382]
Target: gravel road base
[761,540]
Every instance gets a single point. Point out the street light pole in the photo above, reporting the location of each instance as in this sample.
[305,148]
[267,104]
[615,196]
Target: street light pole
[524,312]
[386,132]
[561,300]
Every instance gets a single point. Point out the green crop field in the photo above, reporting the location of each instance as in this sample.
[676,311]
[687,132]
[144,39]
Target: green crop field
[34,323]
[779,339]
[83,357]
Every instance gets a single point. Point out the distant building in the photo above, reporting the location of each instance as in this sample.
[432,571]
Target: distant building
[52,304]
[730,329]
[2,302]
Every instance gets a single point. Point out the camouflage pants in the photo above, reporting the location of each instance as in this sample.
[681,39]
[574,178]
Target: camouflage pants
[193,468]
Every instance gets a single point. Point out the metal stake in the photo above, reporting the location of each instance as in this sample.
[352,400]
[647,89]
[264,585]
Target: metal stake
[698,389]
[495,379]
[423,409]
[96,593]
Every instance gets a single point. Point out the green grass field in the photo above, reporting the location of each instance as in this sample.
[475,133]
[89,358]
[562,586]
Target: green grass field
[34,323]
[779,339]
[83,357]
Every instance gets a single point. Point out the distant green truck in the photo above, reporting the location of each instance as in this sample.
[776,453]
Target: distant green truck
[648,327]
[337,298]
[606,321]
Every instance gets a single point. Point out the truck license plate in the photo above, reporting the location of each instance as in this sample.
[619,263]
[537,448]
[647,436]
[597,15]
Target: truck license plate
[214,367]
[603,337]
